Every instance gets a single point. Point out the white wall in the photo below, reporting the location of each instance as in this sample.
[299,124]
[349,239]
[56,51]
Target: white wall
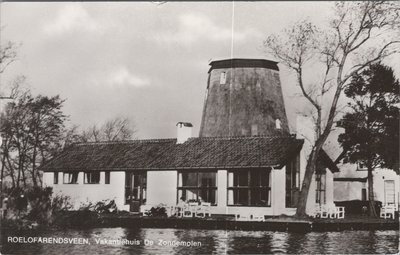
[81,193]
[222,192]
[278,190]
[329,187]
[162,187]
[380,176]
[348,190]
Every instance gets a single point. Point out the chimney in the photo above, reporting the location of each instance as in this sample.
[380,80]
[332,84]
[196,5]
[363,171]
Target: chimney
[184,131]
[305,128]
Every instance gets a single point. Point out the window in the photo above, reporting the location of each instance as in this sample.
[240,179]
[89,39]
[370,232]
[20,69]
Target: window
[361,166]
[254,130]
[198,186]
[71,177]
[320,180]
[278,124]
[249,187]
[292,182]
[364,194]
[55,181]
[92,178]
[389,192]
[222,79]
[258,85]
[107,177]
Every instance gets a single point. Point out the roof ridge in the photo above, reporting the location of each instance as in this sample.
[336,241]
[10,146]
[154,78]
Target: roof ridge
[126,141]
[242,137]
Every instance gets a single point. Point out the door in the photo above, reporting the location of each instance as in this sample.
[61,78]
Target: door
[135,189]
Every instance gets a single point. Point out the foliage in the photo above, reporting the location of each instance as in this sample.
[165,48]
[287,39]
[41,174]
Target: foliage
[32,128]
[372,127]
[158,211]
[8,54]
[106,206]
[60,203]
[34,205]
[40,204]
[359,34]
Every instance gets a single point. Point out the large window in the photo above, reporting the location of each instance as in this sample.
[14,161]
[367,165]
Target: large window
[292,183]
[320,180]
[198,186]
[92,177]
[70,177]
[249,187]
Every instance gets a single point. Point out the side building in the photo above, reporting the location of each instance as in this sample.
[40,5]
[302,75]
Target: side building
[351,184]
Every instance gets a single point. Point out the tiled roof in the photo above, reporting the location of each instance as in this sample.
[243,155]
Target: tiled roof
[234,152]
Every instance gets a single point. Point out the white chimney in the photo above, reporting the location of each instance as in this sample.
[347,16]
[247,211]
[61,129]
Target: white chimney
[305,128]
[184,131]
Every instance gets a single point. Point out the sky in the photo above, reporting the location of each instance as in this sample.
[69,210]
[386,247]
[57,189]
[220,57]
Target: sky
[141,60]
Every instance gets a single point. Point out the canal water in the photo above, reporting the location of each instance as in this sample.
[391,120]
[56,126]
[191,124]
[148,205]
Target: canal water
[184,241]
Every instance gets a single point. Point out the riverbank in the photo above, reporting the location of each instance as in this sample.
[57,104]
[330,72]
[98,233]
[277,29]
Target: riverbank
[270,224]
[87,219]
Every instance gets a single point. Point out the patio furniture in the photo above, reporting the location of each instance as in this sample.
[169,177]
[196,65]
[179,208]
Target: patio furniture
[179,211]
[325,211]
[317,211]
[387,211]
[332,211]
[249,217]
[190,209]
[203,210]
[254,217]
[339,214]
[145,209]
[242,217]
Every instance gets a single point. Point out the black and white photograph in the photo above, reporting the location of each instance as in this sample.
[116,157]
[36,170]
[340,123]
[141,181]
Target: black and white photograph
[222,127]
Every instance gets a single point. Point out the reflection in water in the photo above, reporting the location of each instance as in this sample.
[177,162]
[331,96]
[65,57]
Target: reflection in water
[212,242]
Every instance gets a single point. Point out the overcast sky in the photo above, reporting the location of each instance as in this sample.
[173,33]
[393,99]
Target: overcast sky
[144,61]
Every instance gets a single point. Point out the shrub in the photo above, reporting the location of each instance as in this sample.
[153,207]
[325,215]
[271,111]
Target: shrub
[106,206]
[158,211]
[35,204]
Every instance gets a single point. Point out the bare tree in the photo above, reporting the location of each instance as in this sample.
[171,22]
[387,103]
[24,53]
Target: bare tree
[359,34]
[32,128]
[116,129]
[8,54]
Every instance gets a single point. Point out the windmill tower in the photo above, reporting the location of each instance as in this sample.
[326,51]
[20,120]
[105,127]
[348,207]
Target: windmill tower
[243,98]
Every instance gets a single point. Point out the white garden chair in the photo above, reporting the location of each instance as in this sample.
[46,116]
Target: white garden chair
[317,211]
[255,217]
[145,209]
[387,211]
[203,210]
[325,211]
[242,217]
[339,212]
[190,209]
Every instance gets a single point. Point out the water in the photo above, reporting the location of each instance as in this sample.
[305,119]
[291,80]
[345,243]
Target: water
[212,242]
